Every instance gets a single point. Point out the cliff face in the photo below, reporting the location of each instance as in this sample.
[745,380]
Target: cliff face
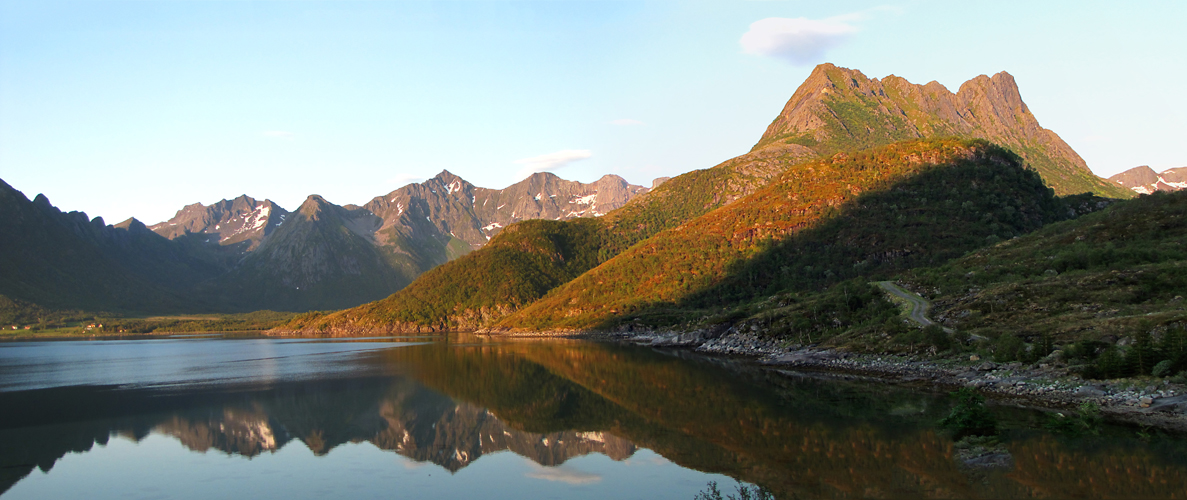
[839,109]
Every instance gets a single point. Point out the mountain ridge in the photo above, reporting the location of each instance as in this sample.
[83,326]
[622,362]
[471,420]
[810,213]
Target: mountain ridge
[839,108]
[246,254]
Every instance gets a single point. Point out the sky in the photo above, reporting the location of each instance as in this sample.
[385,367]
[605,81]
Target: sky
[137,108]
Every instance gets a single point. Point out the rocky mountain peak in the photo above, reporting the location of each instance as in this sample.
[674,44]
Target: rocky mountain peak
[840,109]
[226,221]
[313,206]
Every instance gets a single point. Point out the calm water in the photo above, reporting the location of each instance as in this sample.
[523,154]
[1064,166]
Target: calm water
[462,417]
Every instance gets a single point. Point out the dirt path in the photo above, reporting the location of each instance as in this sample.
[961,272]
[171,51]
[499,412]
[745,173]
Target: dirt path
[917,306]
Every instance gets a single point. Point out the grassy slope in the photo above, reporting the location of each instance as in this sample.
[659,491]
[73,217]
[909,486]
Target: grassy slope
[1107,275]
[865,214]
[1105,288]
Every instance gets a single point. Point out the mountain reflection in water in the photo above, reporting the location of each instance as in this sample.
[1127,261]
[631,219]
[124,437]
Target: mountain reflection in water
[451,403]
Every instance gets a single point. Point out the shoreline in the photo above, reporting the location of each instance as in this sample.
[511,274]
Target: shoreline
[1045,386]
[115,336]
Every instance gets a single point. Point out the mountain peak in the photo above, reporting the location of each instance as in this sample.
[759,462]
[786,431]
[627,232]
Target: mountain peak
[131,225]
[446,177]
[840,109]
[313,204]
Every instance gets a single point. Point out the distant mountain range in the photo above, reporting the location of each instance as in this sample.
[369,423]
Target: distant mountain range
[1144,180]
[246,254]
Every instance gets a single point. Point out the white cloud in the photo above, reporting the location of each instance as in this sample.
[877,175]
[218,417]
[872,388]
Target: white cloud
[799,40]
[551,161]
[279,134]
[402,180]
[563,474]
[626,122]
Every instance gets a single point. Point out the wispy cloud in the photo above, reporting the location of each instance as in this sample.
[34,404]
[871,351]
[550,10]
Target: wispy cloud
[799,40]
[551,161]
[402,180]
[626,122]
[279,134]
[563,474]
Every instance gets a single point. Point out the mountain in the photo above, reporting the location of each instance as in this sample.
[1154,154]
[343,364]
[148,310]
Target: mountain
[835,111]
[245,254]
[521,265]
[321,257]
[228,222]
[1143,179]
[68,260]
[326,256]
[840,109]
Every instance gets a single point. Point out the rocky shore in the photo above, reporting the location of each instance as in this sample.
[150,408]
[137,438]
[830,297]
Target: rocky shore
[1048,385]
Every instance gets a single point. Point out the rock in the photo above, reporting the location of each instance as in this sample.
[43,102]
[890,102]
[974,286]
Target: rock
[1088,390]
[990,461]
[1173,404]
[986,366]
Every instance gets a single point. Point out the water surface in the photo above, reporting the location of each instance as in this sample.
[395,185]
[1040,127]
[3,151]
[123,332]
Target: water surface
[437,417]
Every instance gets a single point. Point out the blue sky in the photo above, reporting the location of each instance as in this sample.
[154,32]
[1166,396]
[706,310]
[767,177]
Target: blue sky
[137,108]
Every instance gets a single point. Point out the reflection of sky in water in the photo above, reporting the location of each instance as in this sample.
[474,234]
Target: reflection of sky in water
[392,420]
[160,467]
[171,361]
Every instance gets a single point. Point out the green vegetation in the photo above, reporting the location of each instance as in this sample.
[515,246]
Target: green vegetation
[969,417]
[519,265]
[528,259]
[744,493]
[856,216]
[1086,420]
[31,319]
[1105,290]
[252,321]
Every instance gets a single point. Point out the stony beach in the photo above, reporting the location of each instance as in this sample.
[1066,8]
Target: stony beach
[1046,385]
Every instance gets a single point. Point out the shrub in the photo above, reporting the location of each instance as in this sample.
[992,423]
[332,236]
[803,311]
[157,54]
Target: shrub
[969,417]
[1008,348]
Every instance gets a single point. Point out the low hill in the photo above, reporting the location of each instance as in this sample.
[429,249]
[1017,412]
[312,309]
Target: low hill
[862,214]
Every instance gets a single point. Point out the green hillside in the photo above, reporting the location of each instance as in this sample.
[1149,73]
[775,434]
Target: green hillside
[1107,282]
[864,214]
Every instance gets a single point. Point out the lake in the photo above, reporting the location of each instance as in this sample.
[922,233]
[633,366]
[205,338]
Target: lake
[466,416]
